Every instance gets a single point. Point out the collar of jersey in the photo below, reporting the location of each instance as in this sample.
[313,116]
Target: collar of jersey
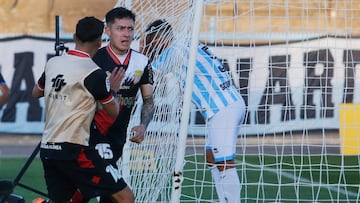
[78,53]
[115,58]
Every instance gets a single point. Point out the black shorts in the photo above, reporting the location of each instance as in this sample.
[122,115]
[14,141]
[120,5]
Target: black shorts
[89,173]
[100,141]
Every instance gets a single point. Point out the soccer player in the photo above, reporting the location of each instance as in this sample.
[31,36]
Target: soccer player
[72,84]
[4,91]
[222,106]
[109,133]
[120,23]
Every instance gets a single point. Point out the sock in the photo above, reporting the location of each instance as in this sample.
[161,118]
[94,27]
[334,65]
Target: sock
[215,173]
[230,183]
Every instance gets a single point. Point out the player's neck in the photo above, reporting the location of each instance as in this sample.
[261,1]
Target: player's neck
[118,51]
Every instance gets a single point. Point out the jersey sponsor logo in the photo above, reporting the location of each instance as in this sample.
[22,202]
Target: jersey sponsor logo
[127,102]
[57,96]
[225,85]
[132,79]
[51,146]
[137,76]
[58,82]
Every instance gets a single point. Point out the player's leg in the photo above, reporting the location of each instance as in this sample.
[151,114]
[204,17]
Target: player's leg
[226,179]
[221,151]
[117,152]
[102,179]
[109,154]
[215,173]
[59,185]
[124,196]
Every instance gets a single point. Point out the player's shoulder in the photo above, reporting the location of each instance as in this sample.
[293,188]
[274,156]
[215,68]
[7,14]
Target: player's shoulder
[100,52]
[55,59]
[139,57]
[95,76]
[98,73]
[102,49]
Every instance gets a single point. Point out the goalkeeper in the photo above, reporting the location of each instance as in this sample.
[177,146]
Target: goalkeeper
[222,106]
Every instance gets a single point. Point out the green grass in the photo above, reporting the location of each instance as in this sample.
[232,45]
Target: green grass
[287,179]
[33,176]
[264,178]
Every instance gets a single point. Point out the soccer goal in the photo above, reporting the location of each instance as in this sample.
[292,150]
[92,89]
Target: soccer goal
[295,62]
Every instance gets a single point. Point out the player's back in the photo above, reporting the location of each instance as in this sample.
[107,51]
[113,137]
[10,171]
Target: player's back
[213,85]
[68,102]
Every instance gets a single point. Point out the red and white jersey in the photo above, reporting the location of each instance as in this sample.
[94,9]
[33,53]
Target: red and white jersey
[138,72]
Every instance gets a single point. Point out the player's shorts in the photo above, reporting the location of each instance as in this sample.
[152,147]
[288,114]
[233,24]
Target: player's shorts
[91,174]
[223,130]
[105,147]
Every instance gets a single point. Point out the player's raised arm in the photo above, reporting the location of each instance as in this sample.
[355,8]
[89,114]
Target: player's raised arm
[112,108]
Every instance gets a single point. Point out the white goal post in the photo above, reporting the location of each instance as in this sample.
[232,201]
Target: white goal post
[295,62]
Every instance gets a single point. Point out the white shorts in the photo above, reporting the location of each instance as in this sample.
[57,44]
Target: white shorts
[223,130]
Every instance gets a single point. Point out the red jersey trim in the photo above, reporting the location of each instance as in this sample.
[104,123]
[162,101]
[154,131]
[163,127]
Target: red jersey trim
[115,58]
[78,53]
[107,100]
[41,87]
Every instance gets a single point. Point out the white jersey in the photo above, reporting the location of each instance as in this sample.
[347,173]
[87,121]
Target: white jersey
[213,86]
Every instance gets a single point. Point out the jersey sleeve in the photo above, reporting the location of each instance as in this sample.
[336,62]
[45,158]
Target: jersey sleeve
[148,75]
[41,82]
[97,58]
[98,85]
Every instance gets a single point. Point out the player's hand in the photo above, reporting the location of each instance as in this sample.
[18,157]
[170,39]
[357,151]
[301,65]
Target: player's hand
[138,134]
[117,75]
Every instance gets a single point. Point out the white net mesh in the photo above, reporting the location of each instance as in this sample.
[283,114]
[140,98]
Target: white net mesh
[149,167]
[295,62]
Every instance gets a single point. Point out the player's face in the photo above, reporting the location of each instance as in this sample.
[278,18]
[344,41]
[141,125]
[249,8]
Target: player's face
[148,45]
[146,42]
[121,34]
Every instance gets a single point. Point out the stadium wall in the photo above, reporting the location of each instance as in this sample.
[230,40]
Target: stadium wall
[23,59]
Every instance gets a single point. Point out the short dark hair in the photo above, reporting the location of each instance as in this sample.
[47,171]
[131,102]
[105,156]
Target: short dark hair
[159,26]
[157,29]
[89,29]
[118,13]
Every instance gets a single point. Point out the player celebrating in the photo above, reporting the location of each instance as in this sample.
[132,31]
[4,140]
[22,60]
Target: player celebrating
[222,106]
[71,85]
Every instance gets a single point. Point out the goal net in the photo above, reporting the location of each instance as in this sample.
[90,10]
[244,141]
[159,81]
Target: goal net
[295,64]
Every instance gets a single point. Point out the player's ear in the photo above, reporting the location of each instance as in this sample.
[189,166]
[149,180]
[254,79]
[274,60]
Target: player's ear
[107,30]
[99,42]
[74,37]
